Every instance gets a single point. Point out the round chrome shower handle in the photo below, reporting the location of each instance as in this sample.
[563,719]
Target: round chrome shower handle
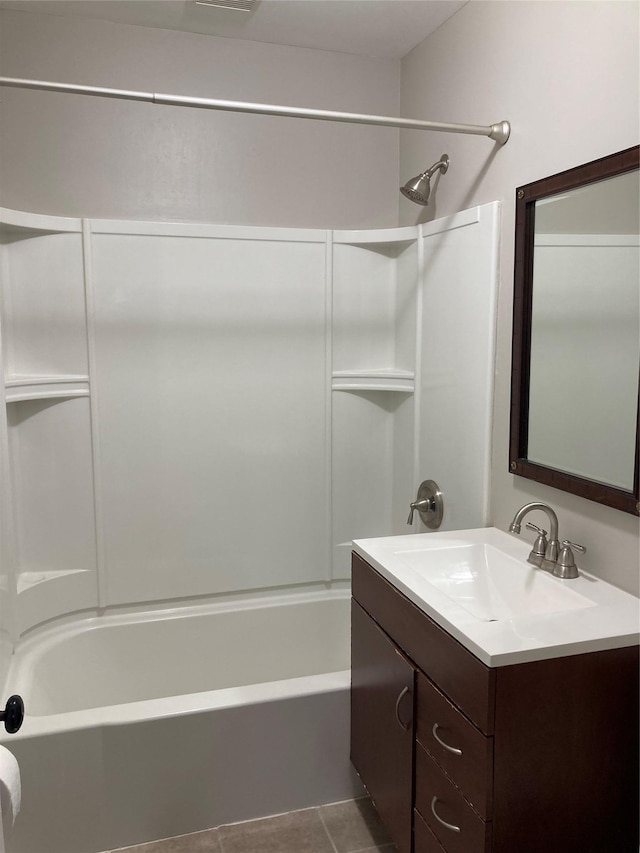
[446,746]
[450,826]
[401,695]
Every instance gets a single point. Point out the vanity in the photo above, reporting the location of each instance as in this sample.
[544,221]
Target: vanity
[494,707]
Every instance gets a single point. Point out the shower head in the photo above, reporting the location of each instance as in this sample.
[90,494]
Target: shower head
[418,189]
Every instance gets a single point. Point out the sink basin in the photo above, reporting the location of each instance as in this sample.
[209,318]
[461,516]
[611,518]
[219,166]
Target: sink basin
[490,584]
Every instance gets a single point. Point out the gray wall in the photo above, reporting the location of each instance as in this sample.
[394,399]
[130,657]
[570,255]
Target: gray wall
[566,75]
[77,156]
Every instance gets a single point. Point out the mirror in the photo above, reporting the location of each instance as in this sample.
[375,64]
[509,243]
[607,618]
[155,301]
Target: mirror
[576,331]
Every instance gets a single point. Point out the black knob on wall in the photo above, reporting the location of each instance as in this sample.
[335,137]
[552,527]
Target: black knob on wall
[13,714]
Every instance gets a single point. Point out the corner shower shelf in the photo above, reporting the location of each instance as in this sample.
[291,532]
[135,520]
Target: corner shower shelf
[26,580]
[386,379]
[384,240]
[17,224]
[19,388]
[40,594]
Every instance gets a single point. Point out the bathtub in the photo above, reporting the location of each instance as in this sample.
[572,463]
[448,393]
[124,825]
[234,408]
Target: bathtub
[142,726]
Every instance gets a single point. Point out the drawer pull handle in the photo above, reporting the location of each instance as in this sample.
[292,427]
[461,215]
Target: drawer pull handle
[402,694]
[450,826]
[446,746]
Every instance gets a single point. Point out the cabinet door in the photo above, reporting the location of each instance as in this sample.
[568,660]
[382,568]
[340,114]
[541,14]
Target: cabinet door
[382,729]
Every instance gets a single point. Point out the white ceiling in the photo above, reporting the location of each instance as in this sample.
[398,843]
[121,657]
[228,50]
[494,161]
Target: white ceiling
[382,28]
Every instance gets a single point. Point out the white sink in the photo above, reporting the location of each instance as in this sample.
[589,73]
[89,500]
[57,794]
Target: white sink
[478,586]
[490,584]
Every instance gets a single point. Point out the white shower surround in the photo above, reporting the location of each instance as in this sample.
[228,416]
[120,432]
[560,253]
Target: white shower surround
[195,415]
[198,410]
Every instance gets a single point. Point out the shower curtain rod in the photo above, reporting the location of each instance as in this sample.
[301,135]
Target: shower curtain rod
[498,132]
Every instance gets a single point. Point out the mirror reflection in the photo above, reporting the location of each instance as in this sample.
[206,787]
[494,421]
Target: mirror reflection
[585,331]
[576,331]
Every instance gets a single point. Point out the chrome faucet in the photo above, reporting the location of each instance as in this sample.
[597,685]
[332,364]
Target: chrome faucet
[549,559]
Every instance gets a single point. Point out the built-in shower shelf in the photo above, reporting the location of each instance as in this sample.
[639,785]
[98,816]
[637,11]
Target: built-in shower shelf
[27,580]
[389,241]
[18,225]
[386,379]
[19,388]
[49,593]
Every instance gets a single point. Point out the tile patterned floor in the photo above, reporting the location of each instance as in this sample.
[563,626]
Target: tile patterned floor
[348,827]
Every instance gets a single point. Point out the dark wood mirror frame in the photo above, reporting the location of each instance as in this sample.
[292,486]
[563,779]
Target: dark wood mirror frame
[526,197]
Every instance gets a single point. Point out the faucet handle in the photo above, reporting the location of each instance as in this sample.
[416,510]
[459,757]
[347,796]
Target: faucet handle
[539,549]
[567,544]
[566,565]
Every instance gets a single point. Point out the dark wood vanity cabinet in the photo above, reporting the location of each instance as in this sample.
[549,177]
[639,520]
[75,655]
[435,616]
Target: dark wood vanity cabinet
[382,694]
[537,757]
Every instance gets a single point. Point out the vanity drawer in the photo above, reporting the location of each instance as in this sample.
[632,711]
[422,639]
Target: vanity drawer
[436,793]
[460,675]
[424,841]
[472,770]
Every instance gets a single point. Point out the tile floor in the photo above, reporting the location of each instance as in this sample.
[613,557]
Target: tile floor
[348,827]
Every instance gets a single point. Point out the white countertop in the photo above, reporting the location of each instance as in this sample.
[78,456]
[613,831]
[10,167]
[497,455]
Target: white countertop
[610,618]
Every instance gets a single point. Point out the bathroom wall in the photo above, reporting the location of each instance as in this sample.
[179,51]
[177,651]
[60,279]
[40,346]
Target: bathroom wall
[76,156]
[566,74]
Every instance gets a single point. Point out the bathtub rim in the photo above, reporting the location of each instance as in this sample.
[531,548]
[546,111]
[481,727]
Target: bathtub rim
[148,710]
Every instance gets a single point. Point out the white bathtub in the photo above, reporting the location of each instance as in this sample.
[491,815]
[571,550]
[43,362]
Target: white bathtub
[144,726]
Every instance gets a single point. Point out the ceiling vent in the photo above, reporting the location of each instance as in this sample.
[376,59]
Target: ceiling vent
[238,5]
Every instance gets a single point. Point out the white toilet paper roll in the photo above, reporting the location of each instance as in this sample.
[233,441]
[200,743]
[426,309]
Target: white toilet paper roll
[10,793]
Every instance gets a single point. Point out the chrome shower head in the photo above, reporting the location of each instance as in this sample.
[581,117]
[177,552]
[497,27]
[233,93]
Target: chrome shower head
[418,189]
